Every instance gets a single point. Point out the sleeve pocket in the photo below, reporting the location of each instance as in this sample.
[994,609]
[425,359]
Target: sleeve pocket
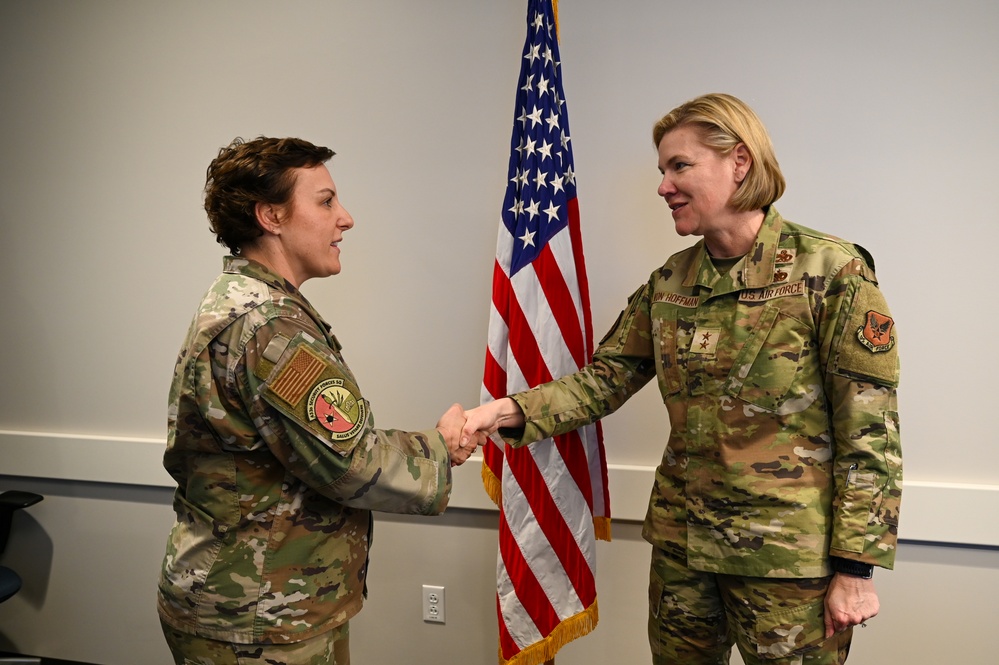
[858,495]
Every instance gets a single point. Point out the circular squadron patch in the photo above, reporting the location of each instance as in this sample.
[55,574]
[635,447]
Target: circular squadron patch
[333,403]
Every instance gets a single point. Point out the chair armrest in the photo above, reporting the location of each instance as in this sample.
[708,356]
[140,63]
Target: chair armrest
[10,501]
[15,499]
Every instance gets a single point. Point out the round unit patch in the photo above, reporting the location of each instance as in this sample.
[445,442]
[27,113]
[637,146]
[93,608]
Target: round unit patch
[336,407]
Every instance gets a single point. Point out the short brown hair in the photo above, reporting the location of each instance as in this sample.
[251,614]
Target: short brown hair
[724,122]
[249,172]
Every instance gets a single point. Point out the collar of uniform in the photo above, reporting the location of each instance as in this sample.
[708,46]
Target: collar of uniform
[757,267]
[760,263]
[700,255]
[238,265]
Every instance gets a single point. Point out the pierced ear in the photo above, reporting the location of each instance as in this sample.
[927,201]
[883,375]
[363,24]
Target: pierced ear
[743,161]
[267,218]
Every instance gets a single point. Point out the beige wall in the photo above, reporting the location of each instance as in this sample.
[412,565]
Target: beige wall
[883,115]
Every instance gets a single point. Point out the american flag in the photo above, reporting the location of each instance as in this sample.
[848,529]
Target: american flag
[553,494]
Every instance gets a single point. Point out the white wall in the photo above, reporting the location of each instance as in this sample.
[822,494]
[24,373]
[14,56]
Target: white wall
[883,116]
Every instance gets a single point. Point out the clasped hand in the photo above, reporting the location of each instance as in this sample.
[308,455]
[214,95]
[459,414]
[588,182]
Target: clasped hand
[464,431]
[451,426]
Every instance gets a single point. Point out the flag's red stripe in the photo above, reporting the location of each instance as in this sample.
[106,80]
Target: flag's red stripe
[606,512]
[570,446]
[525,583]
[494,377]
[561,303]
[508,648]
[525,347]
[576,237]
[495,382]
[531,481]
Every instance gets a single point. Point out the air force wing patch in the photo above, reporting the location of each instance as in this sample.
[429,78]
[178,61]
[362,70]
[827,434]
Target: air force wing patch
[875,334]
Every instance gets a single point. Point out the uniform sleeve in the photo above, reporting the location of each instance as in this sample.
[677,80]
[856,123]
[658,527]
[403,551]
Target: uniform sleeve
[862,374]
[310,412]
[622,364]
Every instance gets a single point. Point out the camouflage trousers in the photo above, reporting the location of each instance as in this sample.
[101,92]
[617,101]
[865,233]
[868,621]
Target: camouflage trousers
[332,648]
[696,617]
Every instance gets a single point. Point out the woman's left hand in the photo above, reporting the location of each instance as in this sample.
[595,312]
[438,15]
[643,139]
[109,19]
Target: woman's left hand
[850,601]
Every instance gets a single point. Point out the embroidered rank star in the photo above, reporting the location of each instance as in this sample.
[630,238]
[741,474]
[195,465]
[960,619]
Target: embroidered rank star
[705,340]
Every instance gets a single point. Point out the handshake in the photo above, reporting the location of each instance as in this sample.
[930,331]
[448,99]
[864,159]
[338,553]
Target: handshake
[464,431]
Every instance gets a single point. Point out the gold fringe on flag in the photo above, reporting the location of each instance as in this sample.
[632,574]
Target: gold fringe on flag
[602,528]
[567,631]
[494,489]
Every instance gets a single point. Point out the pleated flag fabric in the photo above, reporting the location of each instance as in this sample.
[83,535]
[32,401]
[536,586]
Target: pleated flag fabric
[553,494]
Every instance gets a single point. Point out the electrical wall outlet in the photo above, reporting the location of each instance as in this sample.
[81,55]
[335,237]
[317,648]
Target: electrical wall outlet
[433,603]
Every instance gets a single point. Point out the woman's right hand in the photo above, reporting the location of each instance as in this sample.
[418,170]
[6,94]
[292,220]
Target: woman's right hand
[491,416]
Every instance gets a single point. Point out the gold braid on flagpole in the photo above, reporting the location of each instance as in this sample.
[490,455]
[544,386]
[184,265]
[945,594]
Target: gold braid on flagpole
[555,12]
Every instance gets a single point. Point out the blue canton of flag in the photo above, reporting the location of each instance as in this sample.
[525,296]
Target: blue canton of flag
[541,177]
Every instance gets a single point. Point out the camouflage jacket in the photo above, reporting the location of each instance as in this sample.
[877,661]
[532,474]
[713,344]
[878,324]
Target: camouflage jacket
[780,378]
[278,464]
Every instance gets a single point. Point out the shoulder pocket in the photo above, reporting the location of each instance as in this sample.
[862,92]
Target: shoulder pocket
[313,390]
[867,346]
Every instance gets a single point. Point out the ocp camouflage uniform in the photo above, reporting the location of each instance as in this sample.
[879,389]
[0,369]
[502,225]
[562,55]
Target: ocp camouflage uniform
[779,375]
[278,464]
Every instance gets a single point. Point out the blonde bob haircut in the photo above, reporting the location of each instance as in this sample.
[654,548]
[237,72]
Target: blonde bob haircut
[724,122]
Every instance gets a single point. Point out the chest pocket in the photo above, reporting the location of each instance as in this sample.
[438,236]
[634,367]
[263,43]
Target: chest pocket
[771,359]
[670,344]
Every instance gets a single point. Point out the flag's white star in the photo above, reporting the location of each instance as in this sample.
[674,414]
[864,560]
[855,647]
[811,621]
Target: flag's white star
[552,122]
[535,117]
[533,55]
[552,212]
[539,21]
[542,86]
[557,184]
[527,85]
[529,146]
[565,141]
[528,238]
[548,55]
[532,209]
[539,179]
[570,177]
[545,150]
[518,208]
